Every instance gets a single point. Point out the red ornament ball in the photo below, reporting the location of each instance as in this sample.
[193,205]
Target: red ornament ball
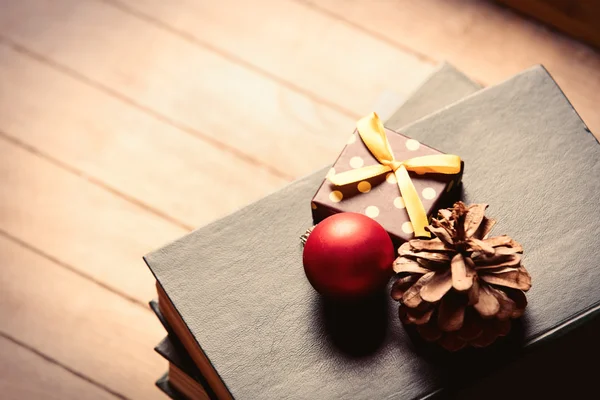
[348,256]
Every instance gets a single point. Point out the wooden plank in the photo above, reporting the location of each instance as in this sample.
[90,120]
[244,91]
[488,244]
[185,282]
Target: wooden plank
[27,375]
[194,88]
[578,18]
[486,41]
[169,171]
[91,230]
[78,323]
[293,43]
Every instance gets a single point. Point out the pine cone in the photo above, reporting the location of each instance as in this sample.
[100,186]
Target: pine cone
[461,287]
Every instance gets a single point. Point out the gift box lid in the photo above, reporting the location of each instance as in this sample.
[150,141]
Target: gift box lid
[379,197]
[239,286]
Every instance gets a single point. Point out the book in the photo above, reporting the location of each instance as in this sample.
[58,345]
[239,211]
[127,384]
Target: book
[183,375]
[560,363]
[445,85]
[163,384]
[235,292]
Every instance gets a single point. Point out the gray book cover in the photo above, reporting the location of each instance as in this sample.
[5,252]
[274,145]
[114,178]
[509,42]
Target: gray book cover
[444,87]
[239,286]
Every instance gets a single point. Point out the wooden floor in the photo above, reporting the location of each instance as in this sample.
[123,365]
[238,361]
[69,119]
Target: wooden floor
[126,123]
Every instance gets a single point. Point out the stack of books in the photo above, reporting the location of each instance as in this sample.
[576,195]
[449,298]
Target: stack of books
[243,322]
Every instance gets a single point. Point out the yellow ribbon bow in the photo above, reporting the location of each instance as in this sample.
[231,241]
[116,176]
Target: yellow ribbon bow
[372,133]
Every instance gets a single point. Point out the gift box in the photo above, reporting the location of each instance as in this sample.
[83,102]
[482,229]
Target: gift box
[373,188]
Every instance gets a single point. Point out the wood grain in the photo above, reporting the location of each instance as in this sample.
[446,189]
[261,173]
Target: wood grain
[577,18]
[78,323]
[168,171]
[486,41]
[196,89]
[124,123]
[295,44]
[27,375]
[91,230]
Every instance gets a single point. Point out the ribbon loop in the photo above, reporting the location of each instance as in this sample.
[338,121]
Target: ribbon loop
[373,135]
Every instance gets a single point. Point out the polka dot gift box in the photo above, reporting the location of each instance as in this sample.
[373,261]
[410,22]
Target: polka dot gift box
[389,177]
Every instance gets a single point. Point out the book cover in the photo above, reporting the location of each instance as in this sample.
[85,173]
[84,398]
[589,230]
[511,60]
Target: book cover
[445,86]
[259,330]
